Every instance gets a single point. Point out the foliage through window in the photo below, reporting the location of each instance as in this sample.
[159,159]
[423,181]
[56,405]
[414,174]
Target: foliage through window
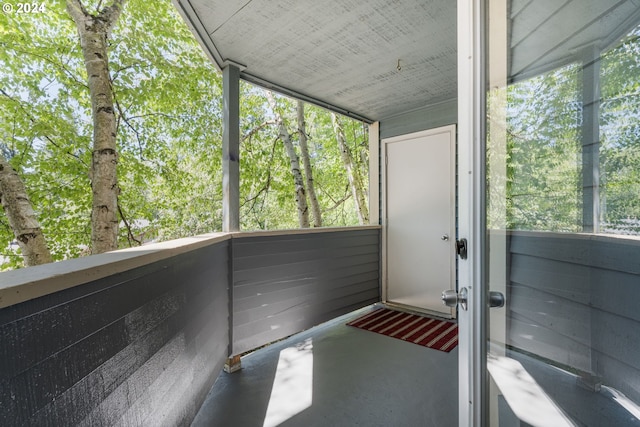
[545,162]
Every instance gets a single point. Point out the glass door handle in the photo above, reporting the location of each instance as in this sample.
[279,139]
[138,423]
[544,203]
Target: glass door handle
[496,299]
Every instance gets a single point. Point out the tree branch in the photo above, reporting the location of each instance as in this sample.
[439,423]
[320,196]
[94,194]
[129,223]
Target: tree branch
[130,235]
[258,129]
[35,121]
[337,203]
[129,125]
[265,189]
[77,11]
[58,65]
[114,75]
[110,14]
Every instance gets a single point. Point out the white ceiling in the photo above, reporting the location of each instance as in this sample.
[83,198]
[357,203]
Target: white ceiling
[341,52]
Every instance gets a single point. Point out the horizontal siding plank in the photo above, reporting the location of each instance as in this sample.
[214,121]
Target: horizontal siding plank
[517,6]
[145,346]
[41,334]
[618,338]
[616,254]
[262,307]
[157,405]
[565,318]
[293,257]
[536,13]
[565,280]
[262,285]
[307,310]
[607,253]
[558,34]
[252,246]
[563,248]
[135,386]
[50,378]
[303,267]
[98,343]
[44,333]
[304,319]
[429,117]
[573,299]
[284,285]
[618,375]
[544,342]
[282,289]
[616,292]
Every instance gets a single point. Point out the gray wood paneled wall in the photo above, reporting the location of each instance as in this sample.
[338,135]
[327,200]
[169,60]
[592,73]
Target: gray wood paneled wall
[143,347]
[285,284]
[573,299]
[138,348]
[428,117]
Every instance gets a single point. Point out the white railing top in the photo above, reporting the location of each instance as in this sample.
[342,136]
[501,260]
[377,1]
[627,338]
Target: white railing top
[28,283]
[24,284]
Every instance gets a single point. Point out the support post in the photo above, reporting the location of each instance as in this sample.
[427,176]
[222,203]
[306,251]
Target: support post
[374,173]
[591,140]
[231,149]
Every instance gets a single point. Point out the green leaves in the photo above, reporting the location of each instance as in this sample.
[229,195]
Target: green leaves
[544,161]
[169,130]
[620,137]
[267,191]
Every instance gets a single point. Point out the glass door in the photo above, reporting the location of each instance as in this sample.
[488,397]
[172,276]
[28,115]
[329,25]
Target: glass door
[561,231]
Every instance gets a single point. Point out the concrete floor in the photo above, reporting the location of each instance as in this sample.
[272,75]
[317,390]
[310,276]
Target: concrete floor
[583,407]
[337,375]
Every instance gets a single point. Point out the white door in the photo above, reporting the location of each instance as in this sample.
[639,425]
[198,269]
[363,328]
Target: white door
[419,219]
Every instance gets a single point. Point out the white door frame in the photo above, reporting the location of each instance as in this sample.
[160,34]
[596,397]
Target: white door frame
[471,213]
[451,130]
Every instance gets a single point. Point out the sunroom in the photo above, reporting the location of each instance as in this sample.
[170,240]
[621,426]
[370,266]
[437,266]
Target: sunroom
[504,146]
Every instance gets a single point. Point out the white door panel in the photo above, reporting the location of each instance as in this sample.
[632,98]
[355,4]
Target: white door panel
[419,204]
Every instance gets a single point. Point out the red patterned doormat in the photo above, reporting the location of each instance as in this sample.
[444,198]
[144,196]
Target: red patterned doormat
[438,334]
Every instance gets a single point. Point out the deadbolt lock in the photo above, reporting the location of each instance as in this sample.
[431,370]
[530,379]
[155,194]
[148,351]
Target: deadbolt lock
[461,248]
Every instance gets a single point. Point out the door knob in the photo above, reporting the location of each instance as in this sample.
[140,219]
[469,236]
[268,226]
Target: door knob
[445,237]
[451,298]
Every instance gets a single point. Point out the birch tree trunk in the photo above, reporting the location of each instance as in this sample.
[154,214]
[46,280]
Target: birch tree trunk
[306,161]
[355,182]
[301,197]
[22,219]
[94,31]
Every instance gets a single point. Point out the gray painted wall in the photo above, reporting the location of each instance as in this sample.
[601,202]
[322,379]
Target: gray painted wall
[573,300]
[143,347]
[429,117]
[138,348]
[285,284]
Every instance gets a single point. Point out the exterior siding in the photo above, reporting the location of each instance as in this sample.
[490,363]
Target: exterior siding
[139,348]
[429,117]
[285,284]
[572,299]
[143,347]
